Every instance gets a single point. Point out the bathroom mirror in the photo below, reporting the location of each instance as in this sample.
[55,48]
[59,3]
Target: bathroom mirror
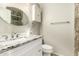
[16,16]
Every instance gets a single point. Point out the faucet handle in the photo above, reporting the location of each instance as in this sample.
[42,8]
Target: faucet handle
[5,37]
[17,35]
[13,35]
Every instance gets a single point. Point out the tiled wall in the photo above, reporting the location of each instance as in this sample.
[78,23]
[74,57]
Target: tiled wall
[76,29]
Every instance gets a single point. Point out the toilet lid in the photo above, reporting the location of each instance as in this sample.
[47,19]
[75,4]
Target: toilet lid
[45,46]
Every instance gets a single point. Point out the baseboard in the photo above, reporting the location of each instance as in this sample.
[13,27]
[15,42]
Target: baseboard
[58,54]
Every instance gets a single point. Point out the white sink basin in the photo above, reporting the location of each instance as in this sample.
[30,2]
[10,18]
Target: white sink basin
[8,43]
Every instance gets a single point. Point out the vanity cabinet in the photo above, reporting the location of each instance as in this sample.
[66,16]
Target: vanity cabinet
[32,48]
[36,13]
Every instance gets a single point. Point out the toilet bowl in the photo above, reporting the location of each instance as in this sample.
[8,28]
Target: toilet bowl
[47,50]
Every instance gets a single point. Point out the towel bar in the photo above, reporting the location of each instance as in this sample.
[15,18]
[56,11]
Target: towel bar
[60,22]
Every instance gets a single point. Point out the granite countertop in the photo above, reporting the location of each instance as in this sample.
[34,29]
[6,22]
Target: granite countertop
[31,38]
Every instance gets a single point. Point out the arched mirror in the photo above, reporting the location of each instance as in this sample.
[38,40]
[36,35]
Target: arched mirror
[17,17]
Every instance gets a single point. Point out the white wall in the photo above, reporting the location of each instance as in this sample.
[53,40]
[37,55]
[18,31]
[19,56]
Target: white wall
[60,36]
[7,28]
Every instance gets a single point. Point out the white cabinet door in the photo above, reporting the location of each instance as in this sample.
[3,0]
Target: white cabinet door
[36,13]
[35,50]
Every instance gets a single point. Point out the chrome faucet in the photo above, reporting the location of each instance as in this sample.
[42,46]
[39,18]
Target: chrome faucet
[5,36]
[17,35]
[13,36]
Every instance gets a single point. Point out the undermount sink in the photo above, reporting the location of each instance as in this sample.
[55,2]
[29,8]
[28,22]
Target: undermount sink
[5,44]
[8,43]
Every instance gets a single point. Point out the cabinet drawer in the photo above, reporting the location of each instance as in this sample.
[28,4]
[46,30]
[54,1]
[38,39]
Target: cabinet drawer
[4,54]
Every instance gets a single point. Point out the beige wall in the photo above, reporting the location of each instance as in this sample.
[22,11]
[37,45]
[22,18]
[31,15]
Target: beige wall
[36,28]
[60,36]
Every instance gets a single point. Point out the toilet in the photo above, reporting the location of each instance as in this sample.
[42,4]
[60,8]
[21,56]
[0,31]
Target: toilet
[47,50]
